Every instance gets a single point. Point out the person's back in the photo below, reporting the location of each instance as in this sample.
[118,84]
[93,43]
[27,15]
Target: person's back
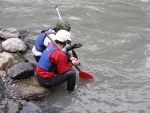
[43,41]
[53,67]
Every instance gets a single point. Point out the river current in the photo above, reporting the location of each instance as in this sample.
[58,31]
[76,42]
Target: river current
[116,51]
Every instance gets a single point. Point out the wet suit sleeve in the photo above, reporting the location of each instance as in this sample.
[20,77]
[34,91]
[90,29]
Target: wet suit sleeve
[60,59]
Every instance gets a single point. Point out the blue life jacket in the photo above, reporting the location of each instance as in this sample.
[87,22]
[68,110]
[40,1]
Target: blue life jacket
[40,40]
[44,62]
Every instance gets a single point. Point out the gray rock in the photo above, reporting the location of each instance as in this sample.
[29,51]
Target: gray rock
[14,45]
[5,60]
[21,70]
[29,40]
[1,110]
[12,106]
[23,34]
[7,33]
[29,107]
[28,56]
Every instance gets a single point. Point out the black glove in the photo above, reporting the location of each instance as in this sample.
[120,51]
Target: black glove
[74,46]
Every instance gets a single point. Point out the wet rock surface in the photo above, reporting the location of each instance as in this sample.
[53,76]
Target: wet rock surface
[21,70]
[1,90]
[27,108]
[29,89]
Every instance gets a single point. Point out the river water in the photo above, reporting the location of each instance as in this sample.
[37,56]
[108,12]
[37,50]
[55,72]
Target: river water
[116,51]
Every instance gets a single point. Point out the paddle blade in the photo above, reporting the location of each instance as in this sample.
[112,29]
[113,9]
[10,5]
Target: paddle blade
[85,75]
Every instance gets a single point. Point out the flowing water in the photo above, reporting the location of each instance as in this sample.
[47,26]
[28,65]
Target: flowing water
[116,51]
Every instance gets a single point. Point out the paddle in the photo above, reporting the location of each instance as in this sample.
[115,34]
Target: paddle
[73,52]
[82,74]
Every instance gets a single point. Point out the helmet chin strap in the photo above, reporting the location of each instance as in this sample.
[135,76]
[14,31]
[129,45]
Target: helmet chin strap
[58,12]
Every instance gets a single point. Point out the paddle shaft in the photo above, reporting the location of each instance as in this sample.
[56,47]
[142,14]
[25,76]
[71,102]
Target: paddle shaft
[58,12]
[77,68]
[74,53]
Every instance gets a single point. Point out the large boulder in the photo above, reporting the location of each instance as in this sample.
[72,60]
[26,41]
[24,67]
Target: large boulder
[20,70]
[7,33]
[5,60]
[30,89]
[14,45]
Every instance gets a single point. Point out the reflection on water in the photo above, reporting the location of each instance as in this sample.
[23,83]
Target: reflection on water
[115,36]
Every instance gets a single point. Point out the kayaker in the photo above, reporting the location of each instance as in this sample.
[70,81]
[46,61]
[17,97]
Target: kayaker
[43,41]
[53,67]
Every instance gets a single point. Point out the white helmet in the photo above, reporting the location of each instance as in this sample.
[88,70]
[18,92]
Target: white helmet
[63,35]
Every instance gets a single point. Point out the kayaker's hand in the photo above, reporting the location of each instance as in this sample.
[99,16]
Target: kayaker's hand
[75,61]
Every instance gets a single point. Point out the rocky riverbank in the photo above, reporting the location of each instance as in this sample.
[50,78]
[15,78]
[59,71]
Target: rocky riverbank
[18,84]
